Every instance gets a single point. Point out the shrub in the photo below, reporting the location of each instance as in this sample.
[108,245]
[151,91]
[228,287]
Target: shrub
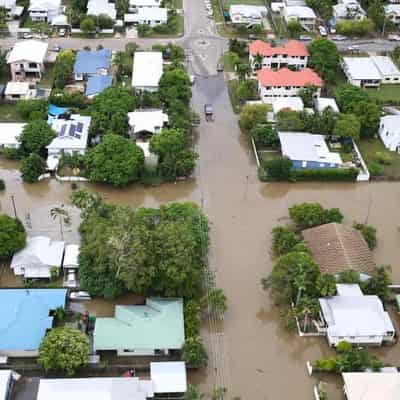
[194,352]
[283,240]
[326,365]
[12,236]
[277,169]
[32,167]
[25,108]
[10,153]
[368,232]
[192,318]
[344,347]
[328,174]
[375,169]
[265,135]
[383,158]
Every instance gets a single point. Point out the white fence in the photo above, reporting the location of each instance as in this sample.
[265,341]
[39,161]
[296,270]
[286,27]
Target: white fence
[71,178]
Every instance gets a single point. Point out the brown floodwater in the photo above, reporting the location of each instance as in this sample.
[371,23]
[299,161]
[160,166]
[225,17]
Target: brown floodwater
[250,353]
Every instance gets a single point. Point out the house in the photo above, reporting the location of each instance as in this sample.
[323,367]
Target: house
[19,91]
[389,132]
[9,134]
[92,63]
[387,68]
[136,4]
[96,84]
[146,122]
[60,23]
[287,103]
[6,384]
[26,60]
[354,317]
[348,9]
[151,16]
[72,137]
[12,10]
[337,248]
[154,328]
[322,103]
[304,15]
[285,83]
[44,10]
[127,388]
[392,12]
[147,70]
[26,315]
[291,3]
[371,385]
[293,53]
[308,151]
[102,7]
[38,258]
[247,14]
[168,377]
[361,71]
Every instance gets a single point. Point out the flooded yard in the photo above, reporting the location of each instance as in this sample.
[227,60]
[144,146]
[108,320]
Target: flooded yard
[251,353]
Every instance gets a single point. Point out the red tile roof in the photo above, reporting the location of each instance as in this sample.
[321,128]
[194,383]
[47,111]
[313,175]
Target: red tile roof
[291,48]
[286,77]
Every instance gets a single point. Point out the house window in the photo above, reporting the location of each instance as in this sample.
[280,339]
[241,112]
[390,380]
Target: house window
[32,65]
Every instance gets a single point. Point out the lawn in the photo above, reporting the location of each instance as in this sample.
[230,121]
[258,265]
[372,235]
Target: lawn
[8,113]
[48,77]
[228,3]
[369,148]
[385,93]
[232,91]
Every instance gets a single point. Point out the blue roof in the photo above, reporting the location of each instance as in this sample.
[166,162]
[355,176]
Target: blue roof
[88,61]
[25,316]
[97,84]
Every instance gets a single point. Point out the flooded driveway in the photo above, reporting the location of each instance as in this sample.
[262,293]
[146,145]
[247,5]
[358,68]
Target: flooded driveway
[250,354]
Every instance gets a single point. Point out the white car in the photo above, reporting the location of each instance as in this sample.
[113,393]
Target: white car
[394,38]
[81,295]
[338,38]
[322,31]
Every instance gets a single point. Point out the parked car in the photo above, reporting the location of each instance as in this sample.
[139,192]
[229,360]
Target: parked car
[220,67]
[322,31]
[27,36]
[354,47]
[208,112]
[338,38]
[56,48]
[332,30]
[305,37]
[394,38]
[62,32]
[192,79]
[81,295]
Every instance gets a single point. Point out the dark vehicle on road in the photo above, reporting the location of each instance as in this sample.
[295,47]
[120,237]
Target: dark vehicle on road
[208,112]
[220,67]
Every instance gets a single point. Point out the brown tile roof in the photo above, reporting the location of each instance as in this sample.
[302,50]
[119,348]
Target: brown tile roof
[336,248]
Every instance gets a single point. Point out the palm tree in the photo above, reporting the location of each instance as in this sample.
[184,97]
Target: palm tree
[243,71]
[193,393]
[258,59]
[118,61]
[63,217]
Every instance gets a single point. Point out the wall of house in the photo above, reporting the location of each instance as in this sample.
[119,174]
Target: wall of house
[282,61]
[240,19]
[301,164]
[18,70]
[268,95]
[366,340]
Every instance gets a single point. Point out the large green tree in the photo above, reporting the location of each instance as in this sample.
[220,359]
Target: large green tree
[307,215]
[347,125]
[35,136]
[63,68]
[12,236]
[324,58]
[32,167]
[64,349]
[116,161]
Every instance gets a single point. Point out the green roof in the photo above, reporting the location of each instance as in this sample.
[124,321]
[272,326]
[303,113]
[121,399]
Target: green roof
[156,325]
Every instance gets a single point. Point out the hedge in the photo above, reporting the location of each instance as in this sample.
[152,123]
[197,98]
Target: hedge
[329,174]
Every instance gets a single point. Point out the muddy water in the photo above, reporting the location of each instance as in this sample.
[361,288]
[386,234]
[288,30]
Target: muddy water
[251,354]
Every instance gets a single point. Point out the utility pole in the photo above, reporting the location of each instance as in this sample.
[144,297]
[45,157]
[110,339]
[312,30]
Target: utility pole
[15,208]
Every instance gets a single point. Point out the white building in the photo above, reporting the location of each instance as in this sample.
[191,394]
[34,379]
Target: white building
[304,15]
[322,103]
[6,383]
[19,91]
[101,7]
[392,12]
[287,103]
[151,16]
[291,3]
[285,83]
[71,256]
[292,53]
[389,132]
[348,9]
[11,8]
[136,4]
[147,121]
[356,318]
[387,68]
[147,70]
[72,137]
[44,10]
[361,71]
[26,60]
[9,134]
[371,385]
[168,377]
[37,259]
[247,14]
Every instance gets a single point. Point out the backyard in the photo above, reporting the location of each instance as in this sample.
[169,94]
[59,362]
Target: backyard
[386,93]
[369,150]
[8,113]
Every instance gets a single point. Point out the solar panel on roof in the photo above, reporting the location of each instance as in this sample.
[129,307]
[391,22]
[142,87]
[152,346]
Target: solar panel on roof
[62,132]
[72,130]
[80,127]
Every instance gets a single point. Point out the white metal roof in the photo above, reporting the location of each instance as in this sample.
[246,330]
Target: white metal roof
[385,66]
[39,254]
[307,147]
[372,385]
[352,314]
[147,69]
[147,120]
[360,68]
[144,14]
[249,11]
[99,7]
[292,103]
[323,102]
[392,9]
[5,377]
[9,133]
[8,4]
[15,88]
[94,388]
[44,5]
[28,50]
[145,3]
[300,12]
[71,255]
[168,377]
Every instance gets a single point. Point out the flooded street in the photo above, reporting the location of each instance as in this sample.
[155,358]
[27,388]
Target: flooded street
[253,356]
